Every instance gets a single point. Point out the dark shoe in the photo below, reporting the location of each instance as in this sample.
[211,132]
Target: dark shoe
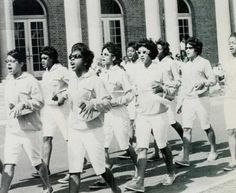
[134,186]
[182,163]
[98,185]
[49,190]
[118,190]
[124,156]
[64,180]
[36,174]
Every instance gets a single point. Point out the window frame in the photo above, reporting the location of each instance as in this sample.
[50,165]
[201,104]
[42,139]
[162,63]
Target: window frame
[187,16]
[106,18]
[27,19]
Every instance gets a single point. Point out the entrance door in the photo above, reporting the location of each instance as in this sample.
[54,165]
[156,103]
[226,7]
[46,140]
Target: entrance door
[30,38]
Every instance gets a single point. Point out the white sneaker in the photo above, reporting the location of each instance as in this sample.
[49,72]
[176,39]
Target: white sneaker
[49,190]
[169,180]
[64,180]
[212,156]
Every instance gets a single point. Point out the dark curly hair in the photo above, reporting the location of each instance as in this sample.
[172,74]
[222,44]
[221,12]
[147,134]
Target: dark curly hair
[150,45]
[18,55]
[232,35]
[86,53]
[166,49]
[51,52]
[196,43]
[114,50]
[134,46]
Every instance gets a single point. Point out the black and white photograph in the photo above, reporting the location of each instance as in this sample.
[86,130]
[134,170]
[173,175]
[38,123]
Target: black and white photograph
[117,96]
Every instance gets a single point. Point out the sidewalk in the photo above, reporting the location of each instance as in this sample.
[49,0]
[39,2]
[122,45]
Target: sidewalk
[225,187]
[200,177]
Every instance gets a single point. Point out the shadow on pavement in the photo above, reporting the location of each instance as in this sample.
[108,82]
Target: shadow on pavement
[155,171]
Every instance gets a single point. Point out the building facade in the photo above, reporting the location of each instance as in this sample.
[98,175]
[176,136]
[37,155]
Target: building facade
[31,24]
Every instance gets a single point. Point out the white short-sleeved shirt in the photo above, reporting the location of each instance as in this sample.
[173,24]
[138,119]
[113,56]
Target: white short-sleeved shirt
[230,82]
[194,72]
[148,103]
[130,69]
[25,88]
[171,70]
[89,86]
[230,94]
[116,81]
[53,81]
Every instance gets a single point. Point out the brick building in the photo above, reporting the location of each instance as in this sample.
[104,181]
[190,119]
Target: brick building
[31,24]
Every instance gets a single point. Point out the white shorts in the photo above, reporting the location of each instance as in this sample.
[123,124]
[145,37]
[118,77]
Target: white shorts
[117,123]
[171,113]
[132,110]
[31,143]
[230,112]
[157,123]
[54,117]
[90,141]
[199,107]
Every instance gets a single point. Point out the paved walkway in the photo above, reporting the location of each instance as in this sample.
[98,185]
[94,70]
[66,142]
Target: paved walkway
[225,187]
[201,176]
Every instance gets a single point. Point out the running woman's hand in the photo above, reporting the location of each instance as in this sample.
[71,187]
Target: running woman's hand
[157,87]
[178,109]
[200,86]
[61,101]
[87,109]
[16,111]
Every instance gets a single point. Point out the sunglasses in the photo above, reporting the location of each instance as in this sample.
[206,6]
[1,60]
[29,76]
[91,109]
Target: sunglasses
[106,54]
[74,56]
[10,61]
[44,58]
[189,47]
[143,52]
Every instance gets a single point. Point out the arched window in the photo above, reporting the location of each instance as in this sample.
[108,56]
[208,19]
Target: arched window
[30,32]
[27,7]
[113,23]
[184,19]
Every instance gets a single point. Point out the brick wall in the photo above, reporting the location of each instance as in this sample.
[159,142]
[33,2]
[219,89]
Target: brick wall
[204,27]
[134,19]
[56,27]
[84,24]
[203,17]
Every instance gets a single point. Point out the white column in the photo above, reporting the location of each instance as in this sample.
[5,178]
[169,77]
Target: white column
[234,14]
[73,23]
[6,31]
[171,25]
[94,26]
[9,30]
[223,29]
[152,17]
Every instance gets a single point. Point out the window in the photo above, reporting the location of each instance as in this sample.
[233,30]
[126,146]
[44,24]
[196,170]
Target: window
[184,19]
[27,7]
[113,23]
[30,33]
